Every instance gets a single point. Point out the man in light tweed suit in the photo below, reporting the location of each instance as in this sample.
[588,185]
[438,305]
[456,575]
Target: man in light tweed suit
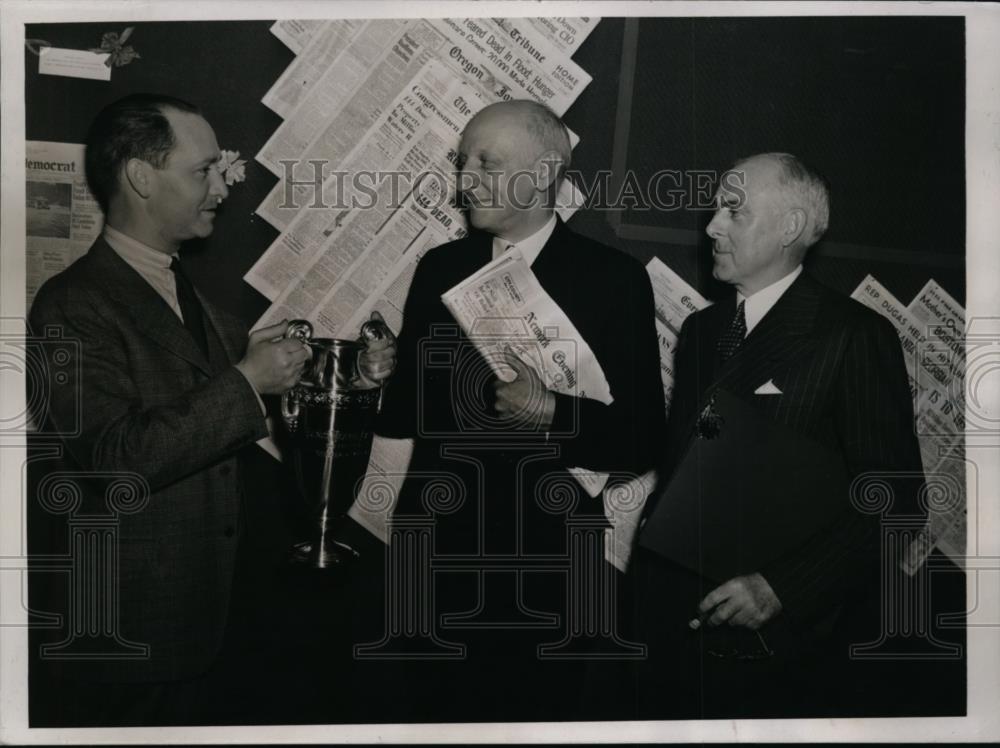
[170,388]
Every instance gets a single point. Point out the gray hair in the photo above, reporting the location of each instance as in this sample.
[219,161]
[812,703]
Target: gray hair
[548,131]
[807,188]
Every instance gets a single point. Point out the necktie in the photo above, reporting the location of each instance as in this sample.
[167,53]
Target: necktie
[733,337]
[190,306]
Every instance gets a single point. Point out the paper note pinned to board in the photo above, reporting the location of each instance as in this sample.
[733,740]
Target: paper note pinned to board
[74,63]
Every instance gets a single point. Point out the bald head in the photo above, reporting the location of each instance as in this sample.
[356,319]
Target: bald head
[512,157]
[544,130]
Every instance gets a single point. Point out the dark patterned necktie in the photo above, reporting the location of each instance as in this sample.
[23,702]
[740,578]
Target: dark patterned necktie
[732,339]
[190,306]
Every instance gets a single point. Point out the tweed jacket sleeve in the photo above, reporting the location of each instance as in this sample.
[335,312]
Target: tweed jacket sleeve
[136,409]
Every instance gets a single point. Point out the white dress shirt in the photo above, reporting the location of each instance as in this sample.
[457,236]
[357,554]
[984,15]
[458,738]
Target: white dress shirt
[760,303]
[151,264]
[530,246]
[154,267]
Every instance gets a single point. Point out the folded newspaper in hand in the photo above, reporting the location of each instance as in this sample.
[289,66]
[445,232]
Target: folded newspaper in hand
[504,305]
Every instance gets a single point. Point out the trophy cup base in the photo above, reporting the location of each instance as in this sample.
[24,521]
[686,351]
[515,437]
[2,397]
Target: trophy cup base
[328,554]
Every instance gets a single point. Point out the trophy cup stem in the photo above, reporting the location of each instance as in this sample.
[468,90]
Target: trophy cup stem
[323,554]
[330,419]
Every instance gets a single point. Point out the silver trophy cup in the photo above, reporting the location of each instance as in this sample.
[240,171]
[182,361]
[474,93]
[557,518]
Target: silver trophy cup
[330,415]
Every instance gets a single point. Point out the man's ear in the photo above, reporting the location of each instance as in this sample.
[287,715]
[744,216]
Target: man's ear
[793,225]
[547,167]
[137,174]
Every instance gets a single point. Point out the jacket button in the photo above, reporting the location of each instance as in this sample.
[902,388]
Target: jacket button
[224,470]
[229,531]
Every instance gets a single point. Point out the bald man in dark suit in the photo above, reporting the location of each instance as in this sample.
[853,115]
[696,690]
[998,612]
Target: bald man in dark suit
[507,445]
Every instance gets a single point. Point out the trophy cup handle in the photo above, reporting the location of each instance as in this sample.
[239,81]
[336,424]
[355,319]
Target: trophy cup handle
[374,330]
[300,329]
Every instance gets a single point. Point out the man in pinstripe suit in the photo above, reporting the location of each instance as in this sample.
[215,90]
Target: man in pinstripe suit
[814,362]
[170,389]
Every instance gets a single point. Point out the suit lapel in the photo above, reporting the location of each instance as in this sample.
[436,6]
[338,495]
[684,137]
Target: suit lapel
[151,315]
[224,332]
[782,334]
[552,264]
[714,322]
[481,254]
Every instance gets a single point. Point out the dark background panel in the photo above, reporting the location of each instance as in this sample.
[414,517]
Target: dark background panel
[876,104]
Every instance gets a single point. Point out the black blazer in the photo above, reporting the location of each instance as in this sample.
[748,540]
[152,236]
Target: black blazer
[441,394]
[843,382]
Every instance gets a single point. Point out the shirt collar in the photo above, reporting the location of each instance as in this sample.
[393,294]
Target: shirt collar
[134,252]
[530,246]
[760,303]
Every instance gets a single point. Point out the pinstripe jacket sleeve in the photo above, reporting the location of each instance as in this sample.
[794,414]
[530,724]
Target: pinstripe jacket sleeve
[873,420]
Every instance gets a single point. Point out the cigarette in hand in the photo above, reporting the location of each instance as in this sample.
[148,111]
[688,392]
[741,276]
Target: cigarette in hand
[696,623]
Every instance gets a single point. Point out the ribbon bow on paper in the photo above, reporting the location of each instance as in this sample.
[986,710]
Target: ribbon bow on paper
[114,44]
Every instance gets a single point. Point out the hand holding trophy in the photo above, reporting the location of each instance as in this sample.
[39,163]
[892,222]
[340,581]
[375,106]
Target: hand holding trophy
[330,416]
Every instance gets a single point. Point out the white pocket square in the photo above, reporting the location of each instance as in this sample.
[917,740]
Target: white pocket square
[768,388]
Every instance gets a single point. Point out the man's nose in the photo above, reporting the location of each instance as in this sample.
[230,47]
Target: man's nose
[218,187]
[466,180]
[714,228]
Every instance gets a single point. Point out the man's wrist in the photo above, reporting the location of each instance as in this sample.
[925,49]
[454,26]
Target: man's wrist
[260,401]
[548,414]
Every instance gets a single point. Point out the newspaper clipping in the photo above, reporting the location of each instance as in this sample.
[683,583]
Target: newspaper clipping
[931,330]
[504,305]
[63,219]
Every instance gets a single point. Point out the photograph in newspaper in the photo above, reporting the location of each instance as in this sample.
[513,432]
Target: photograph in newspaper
[63,219]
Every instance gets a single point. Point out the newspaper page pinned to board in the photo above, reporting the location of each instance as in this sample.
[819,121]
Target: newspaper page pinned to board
[323,42]
[414,139]
[523,61]
[565,34]
[674,300]
[504,305]
[877,297]
[296,33]
[63,218]
[941,418]
[930,331]
[338,67]
[414,146]
[378,64]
